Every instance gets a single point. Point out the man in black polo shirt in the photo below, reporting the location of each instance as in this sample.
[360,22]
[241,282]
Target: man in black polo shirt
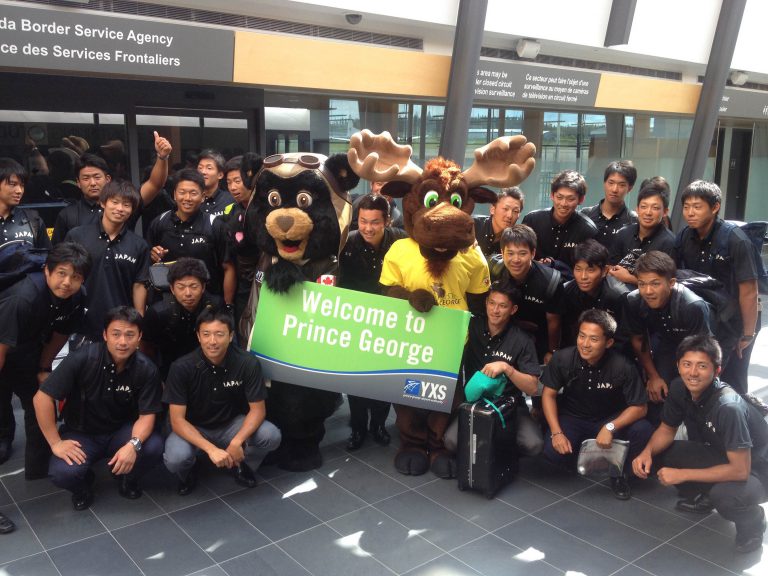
[120,257]
[210,164]
[591,287]
[496,346]
[727,466]
[215,397]
[92,175]
[112,394]
[170,325]
[359,269]
[722,251]
[503,214]
[657,316]
[36,314]
[611,214]
[602,397]
[648,233]
[18,224]
[561,228]
[190,232]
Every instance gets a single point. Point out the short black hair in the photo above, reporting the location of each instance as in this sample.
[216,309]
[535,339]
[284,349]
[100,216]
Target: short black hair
[215,155]
[89,160]
[656,186]
[9,168]
[232,165]
[625,168]
[701,343]
[214,315]
[513,192]
[707,191]
[508,289]
[189,175]
[591,252]
[601,318]
[124,314]
[570,179]
[519,234]
[69,253]
[122,189]
[374,202]
[656,262]
[186,266]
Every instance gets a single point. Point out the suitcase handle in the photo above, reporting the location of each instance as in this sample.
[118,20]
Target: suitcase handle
[496,408]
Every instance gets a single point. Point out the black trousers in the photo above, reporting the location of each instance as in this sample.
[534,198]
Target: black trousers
[358,413]
[738,502]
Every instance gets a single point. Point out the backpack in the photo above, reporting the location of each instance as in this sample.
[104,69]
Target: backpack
[725,311]
[17,259]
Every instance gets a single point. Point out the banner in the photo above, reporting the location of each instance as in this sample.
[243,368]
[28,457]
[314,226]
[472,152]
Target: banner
[362,344]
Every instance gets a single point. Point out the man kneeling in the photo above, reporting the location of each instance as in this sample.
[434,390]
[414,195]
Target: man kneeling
[215,397]
[112,394]
[726,467]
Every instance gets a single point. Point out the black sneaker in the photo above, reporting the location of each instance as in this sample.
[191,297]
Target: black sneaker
[244,475]
[188,484]
[355,441]
[620,487]
[128,488]
[751,541]
[699,504]
[82,499]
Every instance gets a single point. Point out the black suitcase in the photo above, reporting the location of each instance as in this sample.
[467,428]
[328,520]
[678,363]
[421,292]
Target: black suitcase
[487,455]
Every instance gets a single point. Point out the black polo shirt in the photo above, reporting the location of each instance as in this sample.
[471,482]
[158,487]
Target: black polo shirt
[532,313]
[100,400]
[214,395]
[512,345]
[628,247]
[30,313]
[116,266]
[81,213]
[610,297]
[170,328]
[216,204]
[197,237]
[594,393]
[24,224]
[485,237]
[558,241]
[360,263]
[720,418]
[607,228]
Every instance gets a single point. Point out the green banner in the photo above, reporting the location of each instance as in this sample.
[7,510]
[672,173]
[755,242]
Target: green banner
[363,344]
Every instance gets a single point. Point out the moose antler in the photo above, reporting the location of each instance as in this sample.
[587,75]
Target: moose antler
[378,158]
[506,161]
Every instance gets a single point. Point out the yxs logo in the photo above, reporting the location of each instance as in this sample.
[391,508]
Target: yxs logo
[428,390]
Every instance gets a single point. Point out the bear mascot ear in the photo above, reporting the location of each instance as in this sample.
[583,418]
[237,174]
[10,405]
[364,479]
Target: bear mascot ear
[338,164]
[249,167]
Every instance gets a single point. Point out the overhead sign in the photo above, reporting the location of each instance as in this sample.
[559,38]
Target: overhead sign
[516,83]
[363,344]
[744,104]
[32,38]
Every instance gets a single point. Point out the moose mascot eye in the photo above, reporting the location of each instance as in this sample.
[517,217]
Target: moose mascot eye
[456,200]
[431,199]
[274,199]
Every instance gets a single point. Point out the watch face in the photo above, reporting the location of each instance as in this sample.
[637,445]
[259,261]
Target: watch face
[610,426]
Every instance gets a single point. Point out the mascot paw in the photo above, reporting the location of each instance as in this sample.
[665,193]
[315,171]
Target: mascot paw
[422,300]
[443,465]
[412,462]
[283,275]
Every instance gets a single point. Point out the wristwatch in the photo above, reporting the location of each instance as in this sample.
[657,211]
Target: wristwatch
[610,427]
[136,443]
[748,337]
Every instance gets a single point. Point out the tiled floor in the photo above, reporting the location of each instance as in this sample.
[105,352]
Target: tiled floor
[358,516]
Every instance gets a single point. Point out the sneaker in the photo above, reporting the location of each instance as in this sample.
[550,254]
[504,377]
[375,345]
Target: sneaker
[751,541]
[188,484]
[244,475]
[699,504]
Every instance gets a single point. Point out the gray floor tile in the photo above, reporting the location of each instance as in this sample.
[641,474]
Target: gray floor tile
[19,543]
[634,512]
[433,522]
[664,497]
[472,506]
[267,509]
[161,485]
[389,542]
[609,535]
[444,566]
[718,549]
[218,530]
[37,565]
[492,555]
[631,570]
[220,482]
[383,459]
[210,571]
[317,494]
[560,549]
[160,548]
[21,489]
[545,475]
[5,497]
[268,561]
[55,521]
[322,551]
[97,555]
[115,511]
[527,496]
[671,561]
[363,481]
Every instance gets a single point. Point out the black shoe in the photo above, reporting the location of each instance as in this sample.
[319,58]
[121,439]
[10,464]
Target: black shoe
[699,504]
[751,541]
[620,487]
[6,526]
[128,488]
[82,499]
[355,440]
[381,436]
[187,485]
[244,475]
[5,450]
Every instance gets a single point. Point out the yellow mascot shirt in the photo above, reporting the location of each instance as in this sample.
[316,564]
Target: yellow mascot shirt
[405,266]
